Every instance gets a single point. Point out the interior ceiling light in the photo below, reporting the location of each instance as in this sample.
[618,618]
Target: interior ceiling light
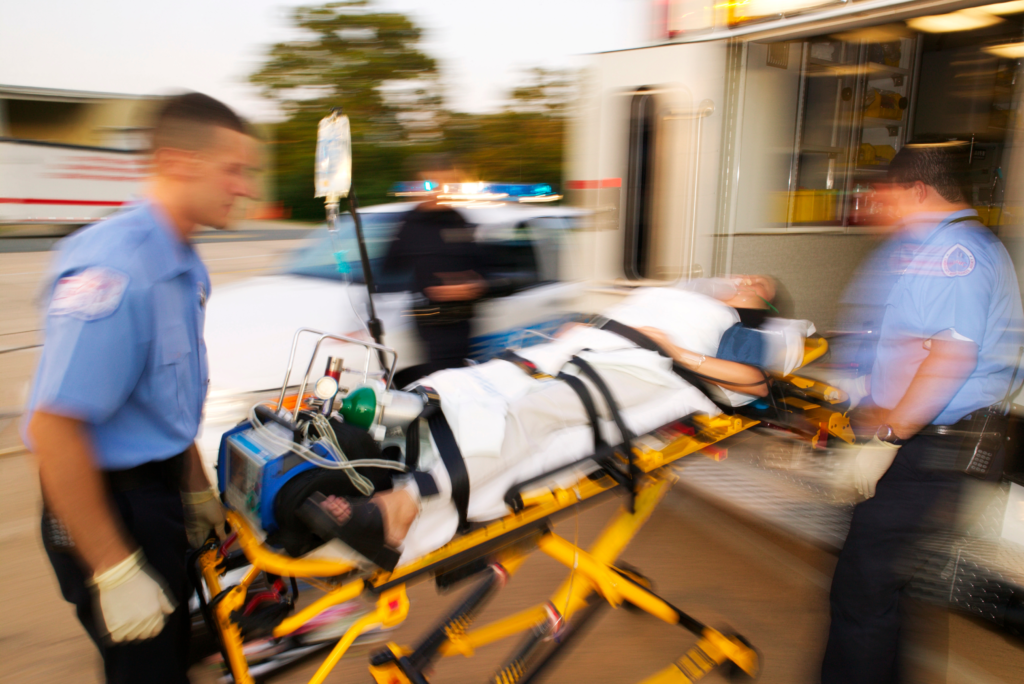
[1004,8]
[963,20]
[947,143]
[1006,50]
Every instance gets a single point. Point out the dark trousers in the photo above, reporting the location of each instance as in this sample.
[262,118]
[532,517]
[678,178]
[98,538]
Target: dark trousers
[912,500]
[152,515]
[447,346]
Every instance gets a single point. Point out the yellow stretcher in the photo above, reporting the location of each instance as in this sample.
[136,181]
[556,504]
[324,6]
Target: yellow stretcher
[492,554]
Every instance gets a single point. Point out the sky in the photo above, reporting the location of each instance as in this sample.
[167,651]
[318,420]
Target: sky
[156,46]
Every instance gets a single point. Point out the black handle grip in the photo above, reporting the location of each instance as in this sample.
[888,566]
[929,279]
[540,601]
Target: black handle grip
[265,413]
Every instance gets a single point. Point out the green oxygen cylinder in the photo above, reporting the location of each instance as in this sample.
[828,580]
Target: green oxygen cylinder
[359,408]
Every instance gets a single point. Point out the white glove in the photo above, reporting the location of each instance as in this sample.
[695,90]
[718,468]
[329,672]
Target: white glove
[131,598]
[856,388]
[203,512]
[870,464]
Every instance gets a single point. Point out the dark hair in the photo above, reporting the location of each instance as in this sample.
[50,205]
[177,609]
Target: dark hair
[940,165]
[187,122]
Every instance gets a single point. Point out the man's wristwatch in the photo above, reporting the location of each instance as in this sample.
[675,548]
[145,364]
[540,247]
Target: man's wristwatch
[886,434]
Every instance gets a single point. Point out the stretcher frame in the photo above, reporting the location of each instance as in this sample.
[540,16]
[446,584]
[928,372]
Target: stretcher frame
[502,545]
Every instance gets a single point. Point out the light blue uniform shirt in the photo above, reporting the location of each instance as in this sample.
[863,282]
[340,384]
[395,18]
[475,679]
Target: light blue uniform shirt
[863,302]
[124,348]
[960,282]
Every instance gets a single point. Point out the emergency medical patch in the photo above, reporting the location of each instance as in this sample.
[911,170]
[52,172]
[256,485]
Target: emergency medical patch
[957,261]
[90,295]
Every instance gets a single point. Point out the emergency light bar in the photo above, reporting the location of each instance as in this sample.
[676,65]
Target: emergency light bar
[478,191]
[413,188]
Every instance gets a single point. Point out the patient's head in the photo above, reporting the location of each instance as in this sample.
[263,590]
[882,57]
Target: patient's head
[752,292]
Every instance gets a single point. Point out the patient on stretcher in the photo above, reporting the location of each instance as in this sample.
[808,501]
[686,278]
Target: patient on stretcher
[553,404]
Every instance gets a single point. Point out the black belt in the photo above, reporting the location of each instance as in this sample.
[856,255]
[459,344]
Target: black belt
[962,428]
[166,473]
[448,450]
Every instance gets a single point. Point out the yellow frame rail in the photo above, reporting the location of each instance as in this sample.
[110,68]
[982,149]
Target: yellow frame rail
[592,570]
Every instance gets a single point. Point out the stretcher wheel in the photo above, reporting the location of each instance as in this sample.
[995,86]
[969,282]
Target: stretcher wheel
[634,574]
[733,671]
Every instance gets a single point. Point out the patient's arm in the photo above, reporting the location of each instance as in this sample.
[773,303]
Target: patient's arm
[729,375]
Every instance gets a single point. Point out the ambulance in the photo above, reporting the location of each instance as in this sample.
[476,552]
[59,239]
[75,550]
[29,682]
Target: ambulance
[746,139]
[67,158]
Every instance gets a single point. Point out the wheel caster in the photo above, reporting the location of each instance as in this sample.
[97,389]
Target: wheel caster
[733,671]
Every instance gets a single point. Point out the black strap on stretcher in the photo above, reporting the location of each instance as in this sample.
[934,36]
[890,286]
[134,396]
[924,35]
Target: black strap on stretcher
[603,454]
[583,393]
[645,342]
[575,383]
[613,409]
[447,448]
[525,365]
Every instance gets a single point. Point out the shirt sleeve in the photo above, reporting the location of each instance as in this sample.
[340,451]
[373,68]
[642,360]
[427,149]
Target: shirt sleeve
[95,349]
[960,301]
[742,345]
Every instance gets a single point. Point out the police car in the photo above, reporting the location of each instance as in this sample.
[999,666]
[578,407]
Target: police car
[250,324]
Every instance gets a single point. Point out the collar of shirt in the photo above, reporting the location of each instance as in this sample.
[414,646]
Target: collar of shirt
[923,226]
[175,256]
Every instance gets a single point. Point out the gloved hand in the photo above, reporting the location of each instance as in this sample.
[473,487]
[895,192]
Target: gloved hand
[132,601]
[203,511]
[870,464]
[856,388]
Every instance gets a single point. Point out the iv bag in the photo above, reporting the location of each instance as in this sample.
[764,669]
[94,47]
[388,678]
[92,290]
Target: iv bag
[333,173]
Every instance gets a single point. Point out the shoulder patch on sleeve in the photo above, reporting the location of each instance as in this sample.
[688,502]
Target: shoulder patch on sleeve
[90,295]
[957,261]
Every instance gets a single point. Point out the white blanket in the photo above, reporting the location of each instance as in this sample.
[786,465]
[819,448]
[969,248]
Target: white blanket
[542,426]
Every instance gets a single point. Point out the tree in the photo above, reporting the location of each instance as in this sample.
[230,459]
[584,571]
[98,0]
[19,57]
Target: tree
[525,141]
[370,64]
[544,91]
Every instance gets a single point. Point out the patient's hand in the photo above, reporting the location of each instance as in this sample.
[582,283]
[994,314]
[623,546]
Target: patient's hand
[463,286]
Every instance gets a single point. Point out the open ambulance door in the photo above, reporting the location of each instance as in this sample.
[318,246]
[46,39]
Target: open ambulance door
[643,160]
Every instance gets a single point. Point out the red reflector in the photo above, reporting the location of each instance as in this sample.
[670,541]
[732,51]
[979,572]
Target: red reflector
[594,184]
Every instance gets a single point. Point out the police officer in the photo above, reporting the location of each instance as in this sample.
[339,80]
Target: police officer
[436,245]
[950,335]
[117,397]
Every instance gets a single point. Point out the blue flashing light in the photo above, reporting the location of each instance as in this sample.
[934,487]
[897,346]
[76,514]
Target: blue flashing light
[413,187]
[512,191]
[519,189]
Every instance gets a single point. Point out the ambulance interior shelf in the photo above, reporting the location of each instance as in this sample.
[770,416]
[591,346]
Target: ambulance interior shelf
[852,110]
[863,94]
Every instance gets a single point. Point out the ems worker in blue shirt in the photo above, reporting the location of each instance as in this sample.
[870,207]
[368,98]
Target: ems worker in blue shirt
[950,336]
[118,394]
